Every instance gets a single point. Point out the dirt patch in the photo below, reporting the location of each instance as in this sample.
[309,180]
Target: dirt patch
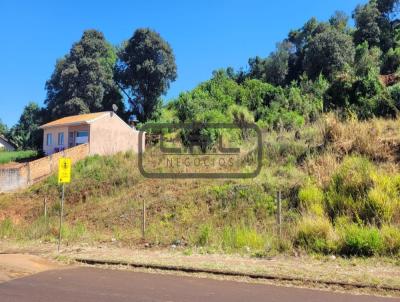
[16,266]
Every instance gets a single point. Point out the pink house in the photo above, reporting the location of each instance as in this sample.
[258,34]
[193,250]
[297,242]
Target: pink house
[105,132]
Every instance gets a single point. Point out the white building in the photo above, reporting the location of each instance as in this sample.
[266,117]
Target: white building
[5,144]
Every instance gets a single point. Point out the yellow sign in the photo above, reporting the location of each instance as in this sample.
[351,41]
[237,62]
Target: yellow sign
[64,170]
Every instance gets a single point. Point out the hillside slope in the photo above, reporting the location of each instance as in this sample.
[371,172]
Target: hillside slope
[340,184]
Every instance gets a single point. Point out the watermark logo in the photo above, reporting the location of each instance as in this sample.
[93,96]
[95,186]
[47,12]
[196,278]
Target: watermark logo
[200,150]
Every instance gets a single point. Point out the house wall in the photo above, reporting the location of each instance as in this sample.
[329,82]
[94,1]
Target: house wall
[110,134]
[54,131]
[5,145]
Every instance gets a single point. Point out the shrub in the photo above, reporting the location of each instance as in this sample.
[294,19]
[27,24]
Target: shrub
[395,94]
[236,238]
[241,117]
[360,240]
[391,61]
[6,228]
[315,234]
[349,187]
[311,200]
[204,235]
[383,200]
[73,233]
[391,239]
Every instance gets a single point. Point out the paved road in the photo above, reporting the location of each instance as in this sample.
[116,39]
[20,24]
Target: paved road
[98,285]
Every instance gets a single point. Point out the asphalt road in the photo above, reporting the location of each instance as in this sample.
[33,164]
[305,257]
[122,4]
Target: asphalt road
[98,285]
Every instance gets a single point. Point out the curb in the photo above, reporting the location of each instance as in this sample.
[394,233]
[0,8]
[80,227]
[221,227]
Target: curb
[231,273]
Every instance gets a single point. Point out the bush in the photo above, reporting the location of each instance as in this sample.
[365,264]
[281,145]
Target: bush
[236,238]
[391,239]
[241,117]
[391,61]
[315,234]
[204,235]
[311,200]
[360,241]
[383,199]
[357,190]
[349,187]
[6,228]
[395,94]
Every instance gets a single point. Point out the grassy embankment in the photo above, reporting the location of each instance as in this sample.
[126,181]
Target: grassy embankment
[340,185]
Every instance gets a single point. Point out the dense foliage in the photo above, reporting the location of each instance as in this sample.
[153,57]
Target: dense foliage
[146,67]
[322,66]
[82,81]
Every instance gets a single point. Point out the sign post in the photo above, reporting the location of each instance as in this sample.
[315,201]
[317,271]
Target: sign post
[64,176]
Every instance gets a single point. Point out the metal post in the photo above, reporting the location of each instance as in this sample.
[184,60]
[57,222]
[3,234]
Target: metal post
[143,220]
[61,216]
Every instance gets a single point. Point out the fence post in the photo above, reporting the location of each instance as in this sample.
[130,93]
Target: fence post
[279,213]
[45,208]
[143,219]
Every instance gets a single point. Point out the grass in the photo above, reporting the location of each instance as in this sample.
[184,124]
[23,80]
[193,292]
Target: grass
[10,156]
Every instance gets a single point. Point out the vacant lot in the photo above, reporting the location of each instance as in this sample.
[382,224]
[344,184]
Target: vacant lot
[9,156]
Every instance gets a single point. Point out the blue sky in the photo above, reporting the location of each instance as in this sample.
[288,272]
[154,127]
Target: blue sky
[205,35]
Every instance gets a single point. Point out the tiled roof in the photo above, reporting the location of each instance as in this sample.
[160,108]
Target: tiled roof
[75,119]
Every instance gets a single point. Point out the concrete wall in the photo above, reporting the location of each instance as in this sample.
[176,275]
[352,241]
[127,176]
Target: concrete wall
[111,134]
[26,174]
[13,178]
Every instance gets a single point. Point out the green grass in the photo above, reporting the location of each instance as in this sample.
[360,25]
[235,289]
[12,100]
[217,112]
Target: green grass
[10,156]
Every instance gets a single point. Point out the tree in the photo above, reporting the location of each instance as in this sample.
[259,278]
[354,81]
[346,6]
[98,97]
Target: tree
[145,68]
[391,61]
[3,128]
[300,40]
[367,59]
[339,21]
[274,69]
[82,81]
[387,7]
[374,23]
[328,53]
[367,23]
[26,133]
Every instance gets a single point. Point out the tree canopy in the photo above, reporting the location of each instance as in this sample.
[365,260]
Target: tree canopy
[145,68]
[26,133]
[3,128]
[328,53]
[82,81]
[318,67]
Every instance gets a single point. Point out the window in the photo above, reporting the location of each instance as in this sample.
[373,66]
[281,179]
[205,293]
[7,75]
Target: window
[61,139]
[82,134]
[49,139]
[82,137]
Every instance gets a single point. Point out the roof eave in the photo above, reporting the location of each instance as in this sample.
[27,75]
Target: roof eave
[64,125]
